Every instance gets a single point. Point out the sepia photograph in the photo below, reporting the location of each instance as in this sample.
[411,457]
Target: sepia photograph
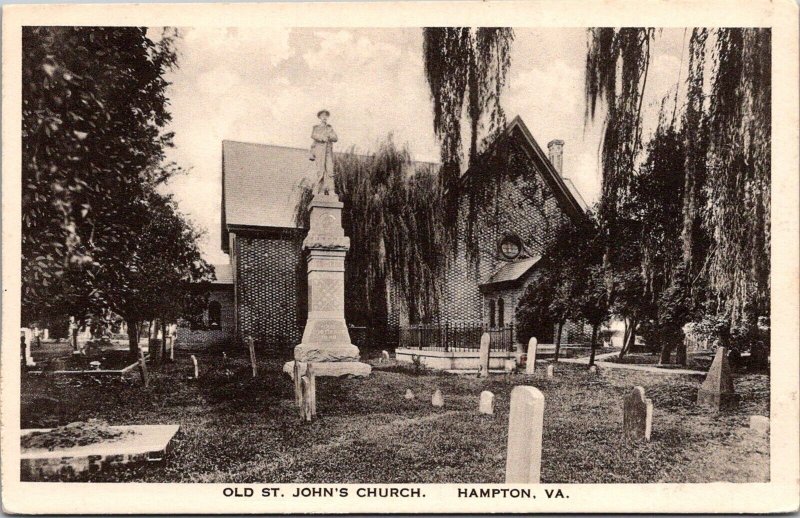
[324,262]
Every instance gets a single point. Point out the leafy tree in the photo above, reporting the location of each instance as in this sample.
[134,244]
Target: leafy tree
[94,109]
[551,294]
[149,278]
[593,302]
[653,215]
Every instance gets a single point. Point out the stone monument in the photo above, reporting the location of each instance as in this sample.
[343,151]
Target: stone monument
[326,341]
[717,391]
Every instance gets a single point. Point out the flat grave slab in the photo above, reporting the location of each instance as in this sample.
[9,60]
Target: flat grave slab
[151,443]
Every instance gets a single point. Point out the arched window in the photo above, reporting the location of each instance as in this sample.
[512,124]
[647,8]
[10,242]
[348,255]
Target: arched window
[214,314]
[501,310]
[491,313]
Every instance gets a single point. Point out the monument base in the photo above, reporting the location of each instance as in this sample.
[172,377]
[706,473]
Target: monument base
[716,400]
[336,369]
[327,353]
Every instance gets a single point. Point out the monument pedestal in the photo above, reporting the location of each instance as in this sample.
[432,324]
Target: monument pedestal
[326,341]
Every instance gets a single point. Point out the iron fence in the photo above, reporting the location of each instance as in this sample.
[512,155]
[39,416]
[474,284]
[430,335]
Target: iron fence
[456,337]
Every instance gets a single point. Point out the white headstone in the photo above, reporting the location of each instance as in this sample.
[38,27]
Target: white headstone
[437,399]
[385,356]
[483,367]
[593,369]
[525,423]
[196,368]
[510,365]
[486,405]
[550,371]
[409,394]
[759,424]
[530,365]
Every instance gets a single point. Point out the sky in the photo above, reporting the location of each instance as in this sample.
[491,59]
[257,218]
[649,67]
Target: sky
[266,86]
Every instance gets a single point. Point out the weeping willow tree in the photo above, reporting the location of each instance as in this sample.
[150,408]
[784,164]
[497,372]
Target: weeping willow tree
[617,63]
[466,71]
[724,245]
[738,188]
[391,214]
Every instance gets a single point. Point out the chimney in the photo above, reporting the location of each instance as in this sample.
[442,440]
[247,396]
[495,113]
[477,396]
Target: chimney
[555,151]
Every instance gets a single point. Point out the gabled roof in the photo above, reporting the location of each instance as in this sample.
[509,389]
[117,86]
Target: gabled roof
[510,273]
[261,185]
[567,200]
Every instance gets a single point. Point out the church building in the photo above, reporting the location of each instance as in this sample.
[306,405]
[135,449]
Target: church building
[263,289]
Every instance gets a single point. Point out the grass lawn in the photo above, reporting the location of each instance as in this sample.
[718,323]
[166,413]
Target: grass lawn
[238,429]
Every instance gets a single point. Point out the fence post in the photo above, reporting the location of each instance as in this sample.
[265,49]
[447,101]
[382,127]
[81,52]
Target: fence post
[446,338]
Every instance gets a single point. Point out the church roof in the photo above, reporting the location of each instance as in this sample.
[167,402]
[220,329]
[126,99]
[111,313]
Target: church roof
[511,273]
[563,188]
[261,185]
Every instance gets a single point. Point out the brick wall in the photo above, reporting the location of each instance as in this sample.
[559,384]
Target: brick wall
[524,206]
[200,338]
[271,288]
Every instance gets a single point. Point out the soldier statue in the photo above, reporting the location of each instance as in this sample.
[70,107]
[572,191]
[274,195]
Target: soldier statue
[323,138]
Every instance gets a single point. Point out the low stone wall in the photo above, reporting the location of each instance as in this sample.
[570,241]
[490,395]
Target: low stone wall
[453,360]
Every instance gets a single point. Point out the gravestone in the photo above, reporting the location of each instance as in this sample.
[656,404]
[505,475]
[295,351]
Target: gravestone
[483,358]
[519,352]
[525,424]
[759,424]
[173,335]
[637,415]
[143,368]
[251,345]
[385,356]
[510,365]
[593,369]
[196,367]
[486,404]
[551,371]
[437,400]
[27,339]
[530,362]
[409,394]
[326,340]
[717,391]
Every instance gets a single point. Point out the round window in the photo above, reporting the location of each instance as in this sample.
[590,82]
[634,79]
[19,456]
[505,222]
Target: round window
[511,246]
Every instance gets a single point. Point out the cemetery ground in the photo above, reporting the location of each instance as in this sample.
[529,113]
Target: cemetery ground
[239,429]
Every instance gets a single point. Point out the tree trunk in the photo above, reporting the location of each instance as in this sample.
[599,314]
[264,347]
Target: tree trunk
[594,344]
[558,340]
[666,352]
[74,337]
[629,338]
[680,353]
[133,338]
